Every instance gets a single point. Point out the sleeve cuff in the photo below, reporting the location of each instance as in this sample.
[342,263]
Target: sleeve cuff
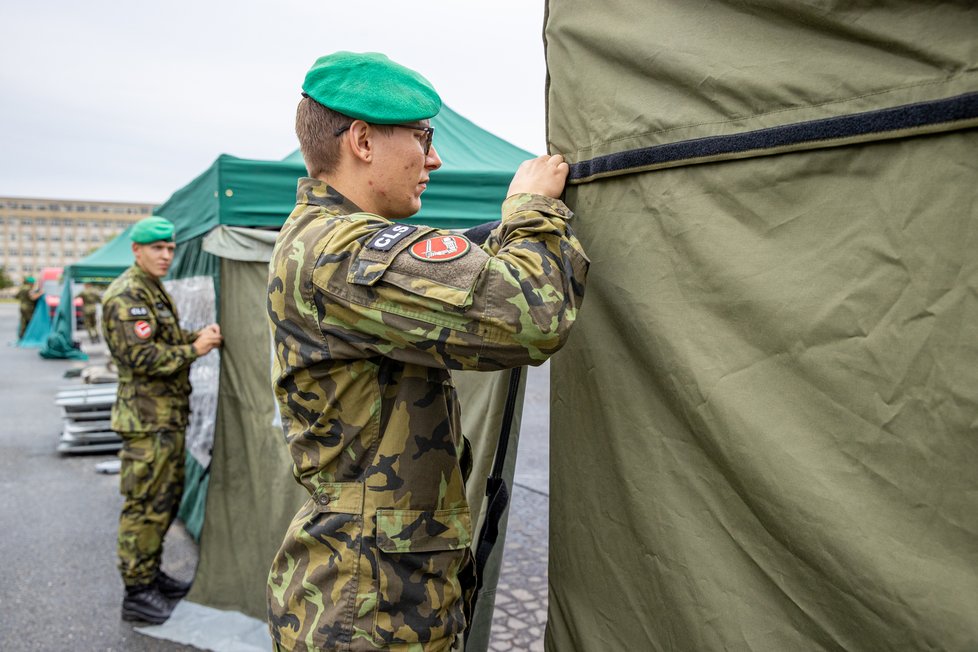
[526,201]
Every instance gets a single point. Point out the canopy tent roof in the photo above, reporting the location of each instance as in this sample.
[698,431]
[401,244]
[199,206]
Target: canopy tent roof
[105,263]
[466,191]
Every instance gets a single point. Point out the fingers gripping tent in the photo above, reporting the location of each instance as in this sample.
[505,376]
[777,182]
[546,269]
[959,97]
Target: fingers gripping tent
[764,429]
[226,222]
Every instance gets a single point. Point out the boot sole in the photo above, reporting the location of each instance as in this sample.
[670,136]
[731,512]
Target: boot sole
[132,615]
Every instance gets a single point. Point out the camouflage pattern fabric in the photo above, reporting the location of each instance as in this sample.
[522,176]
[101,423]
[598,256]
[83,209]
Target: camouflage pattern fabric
[90,300]
[152,353]
[151,482]
[27,305]
[367,317]
[153,356]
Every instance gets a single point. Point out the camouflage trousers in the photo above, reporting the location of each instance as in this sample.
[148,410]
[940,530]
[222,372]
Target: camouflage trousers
[151,481]
[25,319]
[90,327]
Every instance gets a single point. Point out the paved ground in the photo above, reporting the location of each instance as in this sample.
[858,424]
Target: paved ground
[58,585]
[59,589]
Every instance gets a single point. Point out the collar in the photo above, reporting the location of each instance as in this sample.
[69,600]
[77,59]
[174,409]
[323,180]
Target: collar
[146,277]
[319,193]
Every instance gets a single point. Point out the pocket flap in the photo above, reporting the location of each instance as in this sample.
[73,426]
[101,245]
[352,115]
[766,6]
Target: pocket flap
[340,497]
[406,530]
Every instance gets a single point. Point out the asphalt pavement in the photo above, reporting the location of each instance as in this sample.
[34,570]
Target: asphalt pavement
[59,588]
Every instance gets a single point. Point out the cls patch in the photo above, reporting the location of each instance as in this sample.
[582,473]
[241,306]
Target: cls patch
[142,329]
[390,236]
[139,311]
[440,248]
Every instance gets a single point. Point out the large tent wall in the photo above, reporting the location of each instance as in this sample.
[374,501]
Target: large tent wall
[763,426]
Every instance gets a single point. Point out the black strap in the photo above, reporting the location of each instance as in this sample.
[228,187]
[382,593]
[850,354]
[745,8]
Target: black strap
[496,491]
[922,117]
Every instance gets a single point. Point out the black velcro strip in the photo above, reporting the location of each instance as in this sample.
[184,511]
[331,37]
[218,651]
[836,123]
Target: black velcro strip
[390,236]
[906,117]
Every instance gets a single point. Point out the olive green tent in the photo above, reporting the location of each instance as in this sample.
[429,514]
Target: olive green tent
[764,427]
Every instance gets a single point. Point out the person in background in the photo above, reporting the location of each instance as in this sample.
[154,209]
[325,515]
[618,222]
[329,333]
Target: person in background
[368,315]
[153,355]
[90,301]
[27,296]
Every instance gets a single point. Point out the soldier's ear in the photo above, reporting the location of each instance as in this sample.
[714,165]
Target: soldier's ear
[360,140]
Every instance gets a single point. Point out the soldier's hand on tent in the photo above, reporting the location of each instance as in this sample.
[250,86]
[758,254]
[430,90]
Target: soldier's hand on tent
[208,338]
[544,175]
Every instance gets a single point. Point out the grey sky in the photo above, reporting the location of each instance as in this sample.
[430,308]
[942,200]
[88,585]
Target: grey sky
[128,101]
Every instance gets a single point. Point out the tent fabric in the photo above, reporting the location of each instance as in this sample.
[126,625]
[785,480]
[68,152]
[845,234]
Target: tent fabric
[105,263]
[37,329]
[252,495]
[56,342]
[763,424]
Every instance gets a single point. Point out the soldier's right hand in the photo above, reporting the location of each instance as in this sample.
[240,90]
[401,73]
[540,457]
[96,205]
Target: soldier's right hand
[207,339]
[544,175]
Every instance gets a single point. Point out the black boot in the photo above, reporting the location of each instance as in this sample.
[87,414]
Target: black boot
[145,603]
[171,588]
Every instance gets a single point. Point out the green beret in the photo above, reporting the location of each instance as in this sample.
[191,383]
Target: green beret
[152,229]
[29,279]
[370,87]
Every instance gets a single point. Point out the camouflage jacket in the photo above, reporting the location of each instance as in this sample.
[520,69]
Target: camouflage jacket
[90,300]
[153,354]
[367,318]
[25,297]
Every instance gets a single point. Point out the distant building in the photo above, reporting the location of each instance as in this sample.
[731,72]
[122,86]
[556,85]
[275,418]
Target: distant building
[37,233]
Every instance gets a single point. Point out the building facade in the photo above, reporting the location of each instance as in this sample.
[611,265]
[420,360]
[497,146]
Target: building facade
[37,233]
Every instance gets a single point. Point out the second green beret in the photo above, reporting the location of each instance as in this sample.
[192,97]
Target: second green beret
[368,86]
[152,229]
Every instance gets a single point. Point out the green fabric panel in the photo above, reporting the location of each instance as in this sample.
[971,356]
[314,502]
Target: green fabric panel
[36,333]
[483,398]
[764,420]
[104,264]
[649,73]
[194,497]
[58,345]
[195,208]
[252,496]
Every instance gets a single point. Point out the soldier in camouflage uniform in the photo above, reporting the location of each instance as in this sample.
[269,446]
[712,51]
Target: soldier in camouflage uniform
[368,316]
[90,300]
[27,296]
[153,356]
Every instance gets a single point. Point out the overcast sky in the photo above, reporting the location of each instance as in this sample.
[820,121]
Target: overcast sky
[128,101]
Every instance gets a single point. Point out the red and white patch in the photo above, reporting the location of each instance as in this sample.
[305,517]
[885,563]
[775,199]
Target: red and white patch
[440,248]
[142,329]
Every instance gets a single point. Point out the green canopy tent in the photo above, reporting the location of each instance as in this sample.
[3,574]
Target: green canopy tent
[100,266]
[225,219]
[764,426]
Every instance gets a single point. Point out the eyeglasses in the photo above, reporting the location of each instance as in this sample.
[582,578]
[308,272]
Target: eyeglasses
[429,134]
